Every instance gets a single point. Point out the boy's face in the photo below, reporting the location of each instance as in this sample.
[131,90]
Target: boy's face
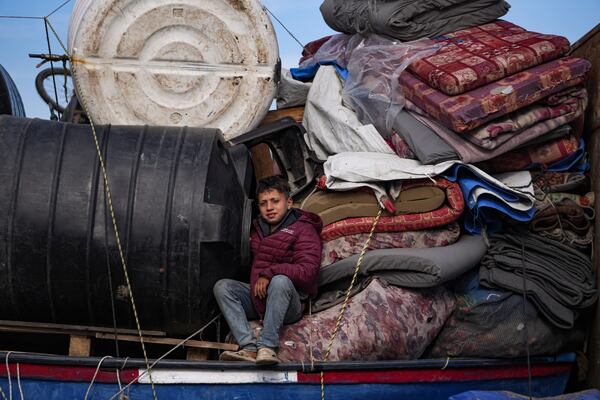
[273,205]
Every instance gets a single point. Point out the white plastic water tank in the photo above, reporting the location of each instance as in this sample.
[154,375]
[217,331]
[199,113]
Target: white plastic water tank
[205,63]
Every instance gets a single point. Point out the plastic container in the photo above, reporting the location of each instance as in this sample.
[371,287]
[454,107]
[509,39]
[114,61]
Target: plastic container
[181,227]
[10,98]
[209,63]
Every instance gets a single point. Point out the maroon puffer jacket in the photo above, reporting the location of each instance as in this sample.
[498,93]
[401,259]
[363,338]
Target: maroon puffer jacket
[293,250]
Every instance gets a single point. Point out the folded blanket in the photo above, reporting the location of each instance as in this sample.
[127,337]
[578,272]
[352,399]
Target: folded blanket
[489,205]
[414,268]
[381,322]
[552,182]
[566,215]
[408,20]
[547,199]
[336,206]
[444,215]
[472,57]
[476,107]
[544,154]
[558,279]
[490,323]
[347,171]
[553,111]
[469,152]
[347,246]
[423,141]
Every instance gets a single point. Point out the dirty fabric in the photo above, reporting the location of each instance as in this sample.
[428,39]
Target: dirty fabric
[449,212]
[290,92]
[347,246]
[382,322]
[491,323]
[331,127]
[558,279]
[415,268]
[475,56]
[408,20]
[476,107]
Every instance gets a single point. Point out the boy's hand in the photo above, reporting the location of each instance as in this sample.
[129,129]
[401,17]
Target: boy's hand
[260,288]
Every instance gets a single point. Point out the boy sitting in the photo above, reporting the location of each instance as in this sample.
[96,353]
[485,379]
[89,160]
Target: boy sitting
[286,249]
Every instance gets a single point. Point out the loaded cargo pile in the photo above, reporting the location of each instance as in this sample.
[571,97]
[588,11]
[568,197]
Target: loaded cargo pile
[466,132]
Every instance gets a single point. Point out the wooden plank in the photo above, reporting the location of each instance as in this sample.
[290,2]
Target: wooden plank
[262,161]
[79,346]
[296,113]
[593,343]
[173,342]
[34,327]
[588,47]
[195,354]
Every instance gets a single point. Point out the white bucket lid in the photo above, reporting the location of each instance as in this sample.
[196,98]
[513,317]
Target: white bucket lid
[205,63]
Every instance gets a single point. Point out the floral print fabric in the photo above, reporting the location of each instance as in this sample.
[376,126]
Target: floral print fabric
[347,246]
[380,323]
[476,107]
[473,57]
[444,215]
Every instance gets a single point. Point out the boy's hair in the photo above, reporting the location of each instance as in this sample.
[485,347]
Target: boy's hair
[274,182]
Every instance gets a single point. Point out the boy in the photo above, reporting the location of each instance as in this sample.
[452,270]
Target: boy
[286,249]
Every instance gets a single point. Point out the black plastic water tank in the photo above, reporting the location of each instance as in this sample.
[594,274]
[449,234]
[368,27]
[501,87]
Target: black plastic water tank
[182,213]
[10,98]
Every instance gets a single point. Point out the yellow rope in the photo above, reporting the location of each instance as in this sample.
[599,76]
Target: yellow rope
[343,309]
[110,207]
[2,393]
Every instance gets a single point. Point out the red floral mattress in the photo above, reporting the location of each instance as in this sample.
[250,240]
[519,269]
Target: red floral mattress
[444,215]
[472,109]
[473,57]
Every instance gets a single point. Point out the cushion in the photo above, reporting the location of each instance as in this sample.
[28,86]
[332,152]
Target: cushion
[347,246]
[336,206]
[473,57]
[444,215]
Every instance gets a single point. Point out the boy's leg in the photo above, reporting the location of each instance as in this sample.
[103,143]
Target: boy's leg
[283,306]
[236,305]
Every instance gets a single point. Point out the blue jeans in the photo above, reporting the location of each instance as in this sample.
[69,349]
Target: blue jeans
[283,306]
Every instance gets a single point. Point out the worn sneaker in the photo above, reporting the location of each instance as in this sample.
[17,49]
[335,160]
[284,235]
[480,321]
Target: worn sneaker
[266,356]
[240,355]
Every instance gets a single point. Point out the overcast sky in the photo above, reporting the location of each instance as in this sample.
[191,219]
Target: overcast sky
[19,37]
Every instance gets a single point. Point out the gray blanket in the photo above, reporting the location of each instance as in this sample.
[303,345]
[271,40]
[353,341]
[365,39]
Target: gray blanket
[411,268]
[422,140]
[408,20]
[558,280]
